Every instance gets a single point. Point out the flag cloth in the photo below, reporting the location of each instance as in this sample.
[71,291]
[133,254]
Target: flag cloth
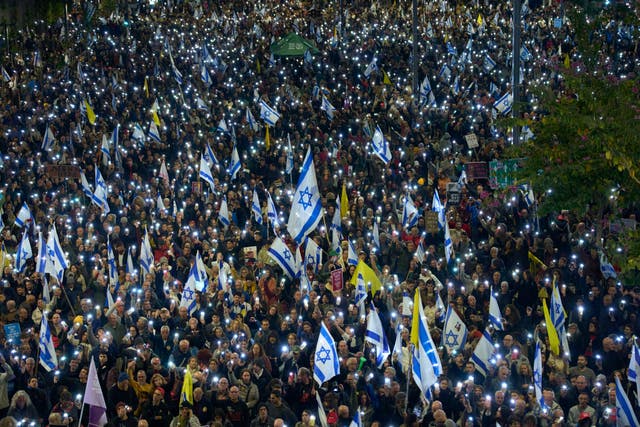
[234,163]
[255,207]
[409,212]
[138,133]
[48,139]
[606,268]
[322,416]
[146,86]
[251,121]
[268,114]
[23,253]
[289,165]
[483,353]
[357,420]
[535,264]
[146,254]
[153,132]
[272,213]
[336,221]
[281,254]
[381,146]
[504,104]
[154,112]
[440,306]
[373,66]
[5,76]
[385,78]
[91,116]
[48,358]
[488,64]
[56,258]
[94,398]
[448,244]
[327,108]
[344,201]
[537,375]
[24,215]
[426,367]
[454,333]
[624,411]
[306,209]
[101,192]
[222,126]
[554,341]
[376,336]
[205,172]
[113,268]
[189,292]
[369,276]
[361,294]
[223,213]
[312,254]
[495,316]
[634,368]
[352,255]
[41,259]
[164,173]
[439,208]
[186,395]
[326,363]
[130,266]
[558,317]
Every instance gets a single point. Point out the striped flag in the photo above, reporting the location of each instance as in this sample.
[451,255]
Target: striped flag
[426,366]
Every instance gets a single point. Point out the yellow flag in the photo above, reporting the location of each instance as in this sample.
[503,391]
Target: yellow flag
[368,275]
[385,78]
[154,112]
[91,116]
[187,388]
[535,264]
[267,140]
[344,202]
[146,86]
[479,20]
[554,341]
[258,66]
[417,307]
[567,61]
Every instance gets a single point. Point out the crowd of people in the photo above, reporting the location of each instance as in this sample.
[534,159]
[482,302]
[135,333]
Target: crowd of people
[89,90]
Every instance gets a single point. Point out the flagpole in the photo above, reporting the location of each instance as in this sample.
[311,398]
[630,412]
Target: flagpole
[409,375]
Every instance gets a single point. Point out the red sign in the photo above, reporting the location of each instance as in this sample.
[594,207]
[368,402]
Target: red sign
[336,280]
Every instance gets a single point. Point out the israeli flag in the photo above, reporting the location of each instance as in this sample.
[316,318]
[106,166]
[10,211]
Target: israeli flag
[146,254]
[426,367]
[312,255]
[373,66]
[448,244]
[495,316]
[281,254]
[130,266]
[537,375]
[203,278]
[440,306]
[315,93]
[210,157]
[255,207]
[5,76]
[206,57]
[327,108]
[455,89]
[606,268]
[223,213]
[336,221]
[488,64]
[634,368]
[222,126]
[308,58]
[445,73]
[419,255]
[357,419]
[454,333]
[504,104]
[105,149]
[47,141]
[326,363]
[624,411]
[234,164]
[24,215]
[188,299]
[376,234]
[376,336]
[410,213]
[101,192]
[177,75]
[272,213]
[289,165]
[23,253]
[251,121]
[138,133]
[451,49]
[483,353]
[352,255]
[41,259]
[201,105]
[153,132]
[204,75]
[268,114]
[558,317]
[56,258]
[381,146]
[306,209]
[525,55]
[113,268]
[361,293]
[48,358]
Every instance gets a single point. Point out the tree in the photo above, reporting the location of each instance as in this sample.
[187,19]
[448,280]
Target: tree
[585,151]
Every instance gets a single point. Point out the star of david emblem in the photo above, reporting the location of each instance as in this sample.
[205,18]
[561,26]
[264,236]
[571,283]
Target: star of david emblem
[311,260]
[305,198]
[536,376]
[557,309]
[24,254]
[451,339]
[323,355]
[287,255]
[187,294]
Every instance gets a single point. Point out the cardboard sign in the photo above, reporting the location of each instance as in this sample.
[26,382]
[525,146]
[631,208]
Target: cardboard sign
[472,140]
[477,170]
[336,280]
[62,171]
[431,221]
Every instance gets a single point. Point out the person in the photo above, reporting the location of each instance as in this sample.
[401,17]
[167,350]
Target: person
[22,408]
[121,392]
[185,418]
[237,412]
[5,377]
[156,410]
[263,419]
[122,418]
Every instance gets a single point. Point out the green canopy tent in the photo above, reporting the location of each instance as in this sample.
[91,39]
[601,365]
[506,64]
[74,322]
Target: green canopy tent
[293,45]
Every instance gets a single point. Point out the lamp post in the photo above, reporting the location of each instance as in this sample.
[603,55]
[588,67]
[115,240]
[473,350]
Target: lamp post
[515,64]
[414,47]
